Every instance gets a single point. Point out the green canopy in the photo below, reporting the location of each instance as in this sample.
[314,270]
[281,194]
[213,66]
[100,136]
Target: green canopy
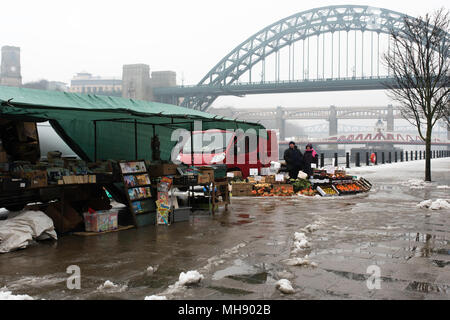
[102,127]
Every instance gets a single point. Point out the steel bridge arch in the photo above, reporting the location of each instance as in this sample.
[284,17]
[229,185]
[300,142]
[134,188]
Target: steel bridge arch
[289,30]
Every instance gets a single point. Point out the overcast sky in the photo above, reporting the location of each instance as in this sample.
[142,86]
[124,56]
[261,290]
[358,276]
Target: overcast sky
[61,38]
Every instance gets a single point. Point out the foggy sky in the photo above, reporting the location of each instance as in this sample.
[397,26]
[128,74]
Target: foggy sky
[61,38]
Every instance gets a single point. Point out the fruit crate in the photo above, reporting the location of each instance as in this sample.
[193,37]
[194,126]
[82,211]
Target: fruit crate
[322,190]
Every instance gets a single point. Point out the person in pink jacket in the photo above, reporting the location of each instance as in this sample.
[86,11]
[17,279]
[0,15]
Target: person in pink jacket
[310,156]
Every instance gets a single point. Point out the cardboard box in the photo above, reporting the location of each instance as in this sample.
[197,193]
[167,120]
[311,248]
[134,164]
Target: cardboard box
[269,179]
[12,184]
[204,178]
[3,157]
[165,169]
[63,223]
[37,179]
[208,171]
[236,173]
[242,189]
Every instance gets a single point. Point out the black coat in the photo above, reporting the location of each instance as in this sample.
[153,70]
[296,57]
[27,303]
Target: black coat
[293,158]
[307,160]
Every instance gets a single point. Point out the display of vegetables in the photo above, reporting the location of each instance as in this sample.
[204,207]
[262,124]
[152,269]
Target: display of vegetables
[267,190]
[300,184]
[308,192]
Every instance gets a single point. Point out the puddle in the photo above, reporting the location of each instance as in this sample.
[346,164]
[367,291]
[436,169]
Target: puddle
[232,291]
[243,272]
[349,275]
[427,287]
[441,263]
[258,278]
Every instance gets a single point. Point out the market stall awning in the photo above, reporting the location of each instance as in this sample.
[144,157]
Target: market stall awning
[108,125]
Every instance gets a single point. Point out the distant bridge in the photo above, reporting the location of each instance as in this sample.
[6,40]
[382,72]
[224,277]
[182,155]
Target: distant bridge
[372,138]
[331,114]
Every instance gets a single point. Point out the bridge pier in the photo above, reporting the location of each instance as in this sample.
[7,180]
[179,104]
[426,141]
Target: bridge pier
[333,127]
[390,118]
[281,123]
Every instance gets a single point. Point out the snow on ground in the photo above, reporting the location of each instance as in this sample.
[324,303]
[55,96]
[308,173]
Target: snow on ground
[189,277]
[152,269]
[311,227]
[285,286]
[7,295]
[155,297]
[300,262]
[443,187]
[109,286]
[435,205]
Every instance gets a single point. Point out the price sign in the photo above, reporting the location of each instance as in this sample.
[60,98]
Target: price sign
[279,177]
[253,171]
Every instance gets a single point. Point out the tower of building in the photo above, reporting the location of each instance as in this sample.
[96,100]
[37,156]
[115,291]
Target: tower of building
[10,74]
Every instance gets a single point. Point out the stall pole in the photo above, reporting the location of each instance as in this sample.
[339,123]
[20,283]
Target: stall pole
[322,160]
[376,158]
[406,156]
[416,156]
[390,157]
[335,159]
[382,158]
[367,159]
[401,156]
[395,157]
[358,164]
[347,160]
[192,145]
[135,140]
[95,141]
[420,155]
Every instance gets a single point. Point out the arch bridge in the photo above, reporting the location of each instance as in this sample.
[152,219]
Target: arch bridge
[331,48]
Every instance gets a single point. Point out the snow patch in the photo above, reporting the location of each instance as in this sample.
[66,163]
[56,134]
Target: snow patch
[152,269]
[435,205]
[189,277]
[416,184]
[155,297]
[7,295]
[300,262]
[285,286]
[311,228]
[443,187]
[109,286]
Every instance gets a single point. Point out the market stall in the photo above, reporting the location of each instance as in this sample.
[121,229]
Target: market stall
[324,182]
[102,131]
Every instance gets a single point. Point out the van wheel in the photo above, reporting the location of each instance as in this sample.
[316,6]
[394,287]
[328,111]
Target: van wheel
[17,207]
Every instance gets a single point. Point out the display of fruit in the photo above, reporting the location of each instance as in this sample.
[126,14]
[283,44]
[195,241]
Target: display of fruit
[350,187]
[329,190]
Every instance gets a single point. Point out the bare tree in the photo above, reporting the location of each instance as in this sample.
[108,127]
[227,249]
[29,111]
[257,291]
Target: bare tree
[419,62]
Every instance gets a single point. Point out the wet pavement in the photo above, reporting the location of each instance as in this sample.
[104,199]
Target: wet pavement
[242,253]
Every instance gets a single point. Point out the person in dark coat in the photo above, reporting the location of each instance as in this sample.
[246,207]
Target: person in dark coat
[293,158]
[309,157]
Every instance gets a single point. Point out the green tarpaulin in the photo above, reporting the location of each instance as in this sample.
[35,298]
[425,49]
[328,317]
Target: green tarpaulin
[108,124]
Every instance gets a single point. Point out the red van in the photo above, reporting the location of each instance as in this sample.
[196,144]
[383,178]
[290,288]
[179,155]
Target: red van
[238,151]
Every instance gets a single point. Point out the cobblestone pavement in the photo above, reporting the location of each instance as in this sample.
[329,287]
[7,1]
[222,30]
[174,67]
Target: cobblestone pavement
[242,253]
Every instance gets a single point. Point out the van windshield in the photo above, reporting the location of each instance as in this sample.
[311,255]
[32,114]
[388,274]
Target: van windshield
[208,142]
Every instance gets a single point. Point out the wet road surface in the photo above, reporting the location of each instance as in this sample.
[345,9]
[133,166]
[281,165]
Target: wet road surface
[242,253]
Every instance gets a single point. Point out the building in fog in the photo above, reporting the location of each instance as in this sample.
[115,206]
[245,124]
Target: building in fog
[10,73]
[86,83]
[137,83]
